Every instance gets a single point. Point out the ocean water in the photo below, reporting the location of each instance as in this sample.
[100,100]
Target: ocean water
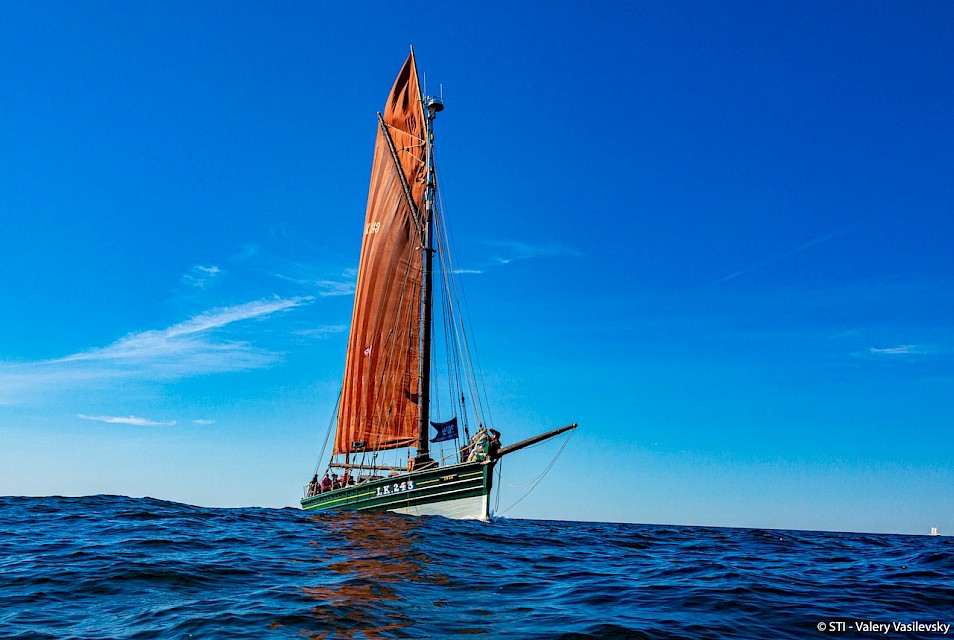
[116,567]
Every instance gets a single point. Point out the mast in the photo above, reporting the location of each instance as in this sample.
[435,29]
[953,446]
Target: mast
[434,106]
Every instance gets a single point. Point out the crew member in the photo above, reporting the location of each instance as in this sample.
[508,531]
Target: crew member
[313,486]
[485,445]
[493,447]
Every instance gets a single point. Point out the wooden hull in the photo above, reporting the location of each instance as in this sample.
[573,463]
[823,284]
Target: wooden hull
[460,491]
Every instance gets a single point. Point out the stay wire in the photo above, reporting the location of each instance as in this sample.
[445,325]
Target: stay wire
[537,480]
[331,425]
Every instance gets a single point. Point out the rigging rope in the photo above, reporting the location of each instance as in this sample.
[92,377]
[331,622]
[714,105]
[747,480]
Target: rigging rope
[499,477]
[331,427]
[457,305]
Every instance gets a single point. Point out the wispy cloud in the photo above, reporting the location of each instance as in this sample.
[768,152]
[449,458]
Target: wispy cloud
[323,286]
[199,345]
[335,287]
[322,332]
[199,276]
[132,420]
[203,422]
[323,277]
[908,352]
[187,338]
[503,252]
[895,351]
[507,251]
[788,254]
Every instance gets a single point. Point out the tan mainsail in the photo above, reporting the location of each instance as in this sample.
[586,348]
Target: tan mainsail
[379,393]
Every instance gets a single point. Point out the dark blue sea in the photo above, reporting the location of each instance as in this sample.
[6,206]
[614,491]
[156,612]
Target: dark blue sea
[116,567]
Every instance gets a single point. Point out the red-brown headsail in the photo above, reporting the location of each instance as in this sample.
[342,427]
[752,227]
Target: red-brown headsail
[378,407]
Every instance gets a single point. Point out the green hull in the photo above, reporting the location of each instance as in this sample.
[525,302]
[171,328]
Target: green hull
[457,491]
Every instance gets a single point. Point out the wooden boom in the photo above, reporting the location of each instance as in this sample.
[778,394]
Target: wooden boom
[517,446]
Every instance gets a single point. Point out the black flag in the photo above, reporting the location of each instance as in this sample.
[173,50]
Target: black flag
[445,430]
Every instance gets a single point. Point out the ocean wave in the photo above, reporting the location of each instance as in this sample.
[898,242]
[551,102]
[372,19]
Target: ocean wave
[116,567]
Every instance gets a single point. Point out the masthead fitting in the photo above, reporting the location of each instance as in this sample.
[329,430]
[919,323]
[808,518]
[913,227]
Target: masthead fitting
[434,105]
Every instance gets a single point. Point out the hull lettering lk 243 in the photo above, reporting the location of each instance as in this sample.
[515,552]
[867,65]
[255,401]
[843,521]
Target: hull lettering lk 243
[397,487]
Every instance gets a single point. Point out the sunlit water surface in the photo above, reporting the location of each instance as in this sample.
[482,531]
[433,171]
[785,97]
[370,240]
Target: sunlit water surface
[116,567]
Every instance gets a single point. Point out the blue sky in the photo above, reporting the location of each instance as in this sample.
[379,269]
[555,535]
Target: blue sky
[717,235]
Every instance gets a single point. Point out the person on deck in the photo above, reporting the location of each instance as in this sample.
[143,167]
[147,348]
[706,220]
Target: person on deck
[313,486]
[326,483]
[485,445]
[493,447]
[480,445]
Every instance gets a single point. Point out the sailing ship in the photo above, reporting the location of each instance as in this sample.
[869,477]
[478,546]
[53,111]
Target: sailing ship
[382,456]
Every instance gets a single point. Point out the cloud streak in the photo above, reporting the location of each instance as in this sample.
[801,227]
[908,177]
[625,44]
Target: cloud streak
[324,287]
[199,276]
[199,345]
[511,250]
[908,352]
[895,351]
[189,338]
[335,287]
[320,278]
[503,252]
[131,420]
[322,332]
[788,254]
